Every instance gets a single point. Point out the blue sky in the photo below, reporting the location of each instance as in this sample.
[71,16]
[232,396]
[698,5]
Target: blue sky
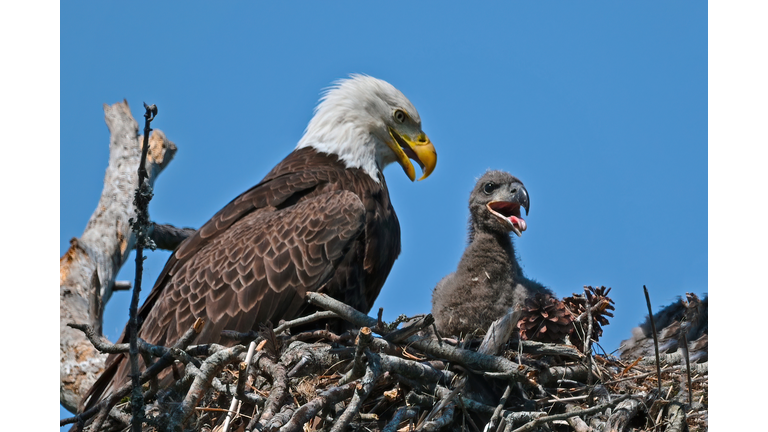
[600,108]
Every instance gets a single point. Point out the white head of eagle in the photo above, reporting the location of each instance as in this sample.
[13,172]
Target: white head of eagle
[368,124]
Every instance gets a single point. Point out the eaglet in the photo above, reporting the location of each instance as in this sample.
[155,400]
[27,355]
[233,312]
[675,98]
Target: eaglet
[488,282]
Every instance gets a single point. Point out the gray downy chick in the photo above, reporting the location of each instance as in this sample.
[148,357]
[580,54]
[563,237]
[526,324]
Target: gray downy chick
[488,282]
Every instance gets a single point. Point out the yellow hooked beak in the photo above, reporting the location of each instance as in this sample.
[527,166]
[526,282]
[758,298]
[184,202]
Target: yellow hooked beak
[421,150]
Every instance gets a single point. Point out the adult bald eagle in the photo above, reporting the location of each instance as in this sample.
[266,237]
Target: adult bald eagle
[321,221]
[488,281]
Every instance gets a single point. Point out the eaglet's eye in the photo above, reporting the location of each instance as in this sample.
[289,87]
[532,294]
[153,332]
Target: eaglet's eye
[488,188]
[400,115]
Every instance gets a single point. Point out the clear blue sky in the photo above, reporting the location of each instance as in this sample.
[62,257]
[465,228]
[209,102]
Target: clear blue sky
[599,107]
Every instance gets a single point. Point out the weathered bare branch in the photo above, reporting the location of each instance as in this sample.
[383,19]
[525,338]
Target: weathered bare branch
[279,378]
[203,377]
[362,390]
[544,419]
[400,416]
[323,401]
[364,340]
[627,409]
[88,268]
[168,237]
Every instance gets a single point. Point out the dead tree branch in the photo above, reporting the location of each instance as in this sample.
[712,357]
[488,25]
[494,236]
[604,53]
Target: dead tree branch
[202,379]
[88,268]
[168,237]
[628,409]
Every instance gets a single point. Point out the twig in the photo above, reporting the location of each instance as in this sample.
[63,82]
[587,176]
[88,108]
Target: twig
[103,345]
[121,286]
[241,378]
[466,416]
[625,411]
[285,325]
[445,418]
[344,311]
[406,332]
[676,417]
[379,321]
[494,422]
[597,308]
[547,349]
[575,372]
[304,320]
[568,399]
[152,371]
[364,340]
[588,411]
[403,413]
[415,370]
[447,398]
[499,333]
[655,336]
[217,410]
[278,375]
[510,418]
[362,390]
[210,367]
[325,334]
[588,342]
[633,377]
[281,418]
[140,227]
[324,400]
[575,421]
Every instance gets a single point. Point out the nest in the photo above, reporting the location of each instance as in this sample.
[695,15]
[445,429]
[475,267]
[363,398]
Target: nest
[408,378]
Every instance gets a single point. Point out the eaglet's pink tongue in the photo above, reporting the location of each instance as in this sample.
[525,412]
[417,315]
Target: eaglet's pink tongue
[518,222]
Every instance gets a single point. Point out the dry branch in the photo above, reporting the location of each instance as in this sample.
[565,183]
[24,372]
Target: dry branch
[676,417]
[596,409]
[628,409]
[89,267]
[202,380]
[168,237]
[324,400]
[362,390]
[140,226]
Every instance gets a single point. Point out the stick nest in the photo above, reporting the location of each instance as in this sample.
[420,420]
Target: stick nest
[409,379]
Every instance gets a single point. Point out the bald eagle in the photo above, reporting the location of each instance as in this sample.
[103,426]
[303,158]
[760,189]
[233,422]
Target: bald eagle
[488,281]
[321,220]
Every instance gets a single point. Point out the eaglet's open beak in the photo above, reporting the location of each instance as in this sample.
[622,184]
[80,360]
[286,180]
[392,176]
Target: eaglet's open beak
[421,150]
[507,208]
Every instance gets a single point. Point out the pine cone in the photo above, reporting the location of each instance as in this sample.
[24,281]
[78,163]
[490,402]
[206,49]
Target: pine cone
[544,319]
[600,304]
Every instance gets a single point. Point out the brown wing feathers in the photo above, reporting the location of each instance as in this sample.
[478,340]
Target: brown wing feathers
[255,260]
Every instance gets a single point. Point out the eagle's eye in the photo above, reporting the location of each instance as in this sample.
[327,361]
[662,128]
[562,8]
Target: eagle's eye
[400,116]
[488,188]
